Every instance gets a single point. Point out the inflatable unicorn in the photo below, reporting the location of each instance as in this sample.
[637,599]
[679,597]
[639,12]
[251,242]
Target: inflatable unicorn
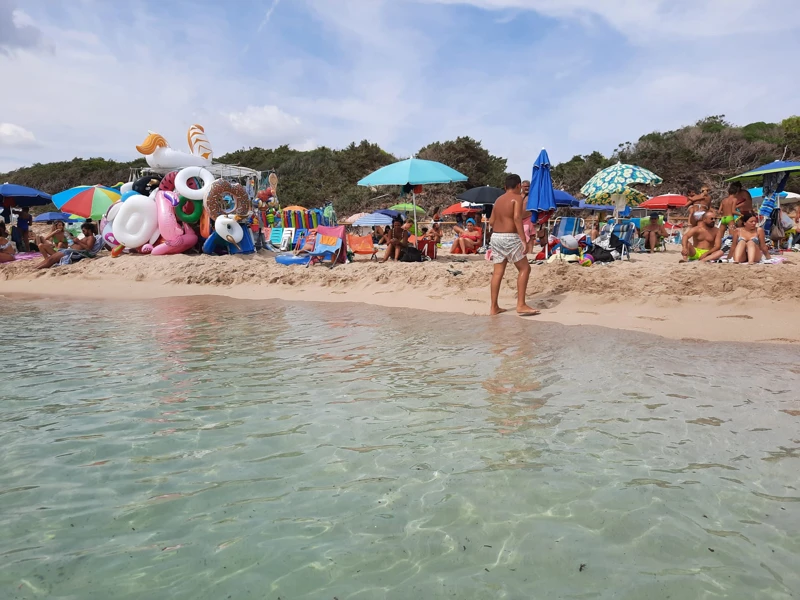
[177,238]
[159,155]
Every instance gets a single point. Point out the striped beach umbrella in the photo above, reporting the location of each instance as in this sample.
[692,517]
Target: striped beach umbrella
[89,201]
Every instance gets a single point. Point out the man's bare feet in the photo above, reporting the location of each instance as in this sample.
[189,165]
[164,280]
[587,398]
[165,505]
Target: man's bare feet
[527,311]
[497,310]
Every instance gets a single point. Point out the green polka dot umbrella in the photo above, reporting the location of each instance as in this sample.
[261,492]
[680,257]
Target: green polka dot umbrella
[615,180]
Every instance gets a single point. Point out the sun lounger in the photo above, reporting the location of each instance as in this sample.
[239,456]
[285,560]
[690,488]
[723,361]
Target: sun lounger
[275,239]
[362,244]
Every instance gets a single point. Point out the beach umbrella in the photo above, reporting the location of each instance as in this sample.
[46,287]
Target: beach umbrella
[665,201]
[564,199]
[20,195]
[57,216]
[352,219]
[412,171]
[462,208]
[612,184]
[759,193]
[371,220]
[407,208]
[774,177]
[293,208]
[484,194]
[90,201]
[389,212]
[541,198]
[599,207]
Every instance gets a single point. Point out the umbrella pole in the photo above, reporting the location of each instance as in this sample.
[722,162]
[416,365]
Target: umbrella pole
[414,201]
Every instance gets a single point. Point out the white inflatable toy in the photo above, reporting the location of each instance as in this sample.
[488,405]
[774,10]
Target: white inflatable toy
[228,229]
[126,187]
[182,179]
[136,222]
[159,155]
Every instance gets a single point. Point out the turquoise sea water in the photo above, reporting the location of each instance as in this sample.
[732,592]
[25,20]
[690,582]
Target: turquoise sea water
[207,448]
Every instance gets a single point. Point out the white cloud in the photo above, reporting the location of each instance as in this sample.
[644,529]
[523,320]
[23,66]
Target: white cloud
[17,30]
[268,125]
[14,135]
[639,20]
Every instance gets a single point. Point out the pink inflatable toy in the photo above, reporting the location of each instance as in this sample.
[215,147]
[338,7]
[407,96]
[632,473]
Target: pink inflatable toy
[177,238]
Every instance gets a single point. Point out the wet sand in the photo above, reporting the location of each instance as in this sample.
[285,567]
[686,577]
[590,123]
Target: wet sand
[651,293]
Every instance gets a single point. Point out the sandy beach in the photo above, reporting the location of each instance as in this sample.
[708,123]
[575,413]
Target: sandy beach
[651,293]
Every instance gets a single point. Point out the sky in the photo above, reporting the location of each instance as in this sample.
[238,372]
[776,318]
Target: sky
[90,77]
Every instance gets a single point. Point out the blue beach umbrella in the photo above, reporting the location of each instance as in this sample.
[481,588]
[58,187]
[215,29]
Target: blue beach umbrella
[373,219]
[389,212]
[12,194]
[58,216]
[564,199]
[541,198]
[759,193]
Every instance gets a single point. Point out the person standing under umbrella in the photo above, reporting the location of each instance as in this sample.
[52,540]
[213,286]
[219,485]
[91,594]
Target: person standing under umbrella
[508,245]
[24,222]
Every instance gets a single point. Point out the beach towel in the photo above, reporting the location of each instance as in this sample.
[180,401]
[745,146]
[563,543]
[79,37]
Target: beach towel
[72,256]
[27,255]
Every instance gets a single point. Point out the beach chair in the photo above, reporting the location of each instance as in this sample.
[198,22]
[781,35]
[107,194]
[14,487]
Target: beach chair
[72,256]
[362,244]
[327,247]
[625,231]
[568,226]
[275,239]
[299,237]
[639,243]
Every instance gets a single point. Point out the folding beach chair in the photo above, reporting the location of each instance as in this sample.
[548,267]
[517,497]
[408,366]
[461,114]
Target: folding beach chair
[568,226]
[639,244]
[327,247]
[275,239]
[299,236]
[624,230]
[362,244]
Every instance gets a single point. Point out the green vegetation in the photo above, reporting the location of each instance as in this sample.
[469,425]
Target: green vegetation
[704,153]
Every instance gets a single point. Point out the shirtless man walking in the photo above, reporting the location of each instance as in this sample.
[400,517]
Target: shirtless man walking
[703,242]
[508,245]
[728,208]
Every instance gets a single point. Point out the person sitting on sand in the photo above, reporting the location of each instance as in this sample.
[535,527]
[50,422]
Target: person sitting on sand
[86,244]
[728,208]
[749,242]
[703,241]
[53,241]
[699,204]
[468,239]
[652,231]
[508,245]
[7,248]
[377,234]
[397,241]
[435,233]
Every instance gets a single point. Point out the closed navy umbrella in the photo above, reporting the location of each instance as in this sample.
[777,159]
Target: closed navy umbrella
[541,199]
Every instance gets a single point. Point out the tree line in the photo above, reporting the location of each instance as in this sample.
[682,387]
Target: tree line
[704,153]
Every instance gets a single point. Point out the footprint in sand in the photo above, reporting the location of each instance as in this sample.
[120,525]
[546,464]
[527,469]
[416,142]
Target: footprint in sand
[735,317]
[652,318]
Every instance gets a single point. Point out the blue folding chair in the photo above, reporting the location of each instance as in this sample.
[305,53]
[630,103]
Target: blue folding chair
[299,237]
[568,226]
[624,229]
[324,251]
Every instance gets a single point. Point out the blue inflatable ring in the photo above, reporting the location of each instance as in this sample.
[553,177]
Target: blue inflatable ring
[290,258]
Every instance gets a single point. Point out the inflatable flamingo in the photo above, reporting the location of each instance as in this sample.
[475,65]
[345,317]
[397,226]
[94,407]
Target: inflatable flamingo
[177,238]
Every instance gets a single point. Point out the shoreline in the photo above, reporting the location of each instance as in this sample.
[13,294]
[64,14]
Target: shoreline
[637,296]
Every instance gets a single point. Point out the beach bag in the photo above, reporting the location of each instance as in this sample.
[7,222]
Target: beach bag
[777,233]
[411,254]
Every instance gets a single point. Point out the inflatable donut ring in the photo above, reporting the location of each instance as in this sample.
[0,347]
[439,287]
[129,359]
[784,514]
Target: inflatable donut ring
[226,198]
[182,178]
[189,217]
[168,183]
[147,184]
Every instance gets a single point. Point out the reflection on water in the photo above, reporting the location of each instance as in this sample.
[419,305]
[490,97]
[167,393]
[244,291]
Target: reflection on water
[206,448]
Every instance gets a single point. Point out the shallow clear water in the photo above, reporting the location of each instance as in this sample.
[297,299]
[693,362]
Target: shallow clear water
[207,448]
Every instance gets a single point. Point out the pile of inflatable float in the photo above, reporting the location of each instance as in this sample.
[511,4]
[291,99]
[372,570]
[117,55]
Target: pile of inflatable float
[168,214]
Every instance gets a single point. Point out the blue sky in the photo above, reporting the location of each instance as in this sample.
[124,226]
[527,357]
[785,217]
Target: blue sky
[569,75]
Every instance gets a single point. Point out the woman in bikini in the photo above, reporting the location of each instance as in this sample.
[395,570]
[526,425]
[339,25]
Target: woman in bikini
[7,248]
[398,240]
[749,244]
[700,203]
[468,239]
[54,241]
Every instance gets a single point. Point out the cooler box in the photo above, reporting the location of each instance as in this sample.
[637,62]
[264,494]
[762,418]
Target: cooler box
[427,247]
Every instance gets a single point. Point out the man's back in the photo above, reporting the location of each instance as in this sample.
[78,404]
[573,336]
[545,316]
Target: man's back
[503,220]
[728,206]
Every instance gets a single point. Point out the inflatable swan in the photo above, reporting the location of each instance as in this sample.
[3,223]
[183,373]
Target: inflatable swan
[177,238]
[159,155]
